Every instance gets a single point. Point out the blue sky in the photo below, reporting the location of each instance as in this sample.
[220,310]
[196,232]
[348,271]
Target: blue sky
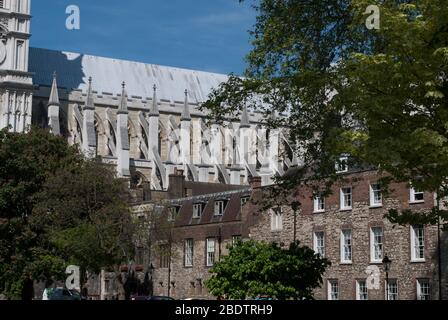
[208,35]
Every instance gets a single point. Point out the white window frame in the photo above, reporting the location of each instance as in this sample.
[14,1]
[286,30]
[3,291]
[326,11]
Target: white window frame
[342,165]
[358,290]
[197,210]
[172,215]
[220,206]
[387,288]
[235,239]
[244,200]
[319,248]
[318,203]
[420,282]
[276,219]
[342,195]
[375,188]
[330,293]
[188,252]
[421,244]
[210,247]
[374,245]
[344,246]
[412,193]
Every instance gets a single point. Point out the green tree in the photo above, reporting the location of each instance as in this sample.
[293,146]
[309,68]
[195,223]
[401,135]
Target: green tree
[56,209]
[257,268]
[378,95]
[87,222]
[26,161]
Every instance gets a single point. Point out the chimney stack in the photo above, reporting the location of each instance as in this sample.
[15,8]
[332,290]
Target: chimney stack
[255,182]
[176,187]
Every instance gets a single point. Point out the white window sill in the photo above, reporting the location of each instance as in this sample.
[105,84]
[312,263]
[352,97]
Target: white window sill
[416,202]
[346,262]
[376,261]
[346,209]
[276,230]
[319,211]
[417,260]
[374,206]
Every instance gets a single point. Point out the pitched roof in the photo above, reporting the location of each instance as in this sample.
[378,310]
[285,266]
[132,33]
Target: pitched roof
[74,69]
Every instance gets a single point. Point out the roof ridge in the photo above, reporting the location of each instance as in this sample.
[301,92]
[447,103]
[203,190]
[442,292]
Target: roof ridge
[131,61]
[210,195]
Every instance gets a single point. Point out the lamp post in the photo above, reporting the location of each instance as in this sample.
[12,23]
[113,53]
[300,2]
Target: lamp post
[386,265]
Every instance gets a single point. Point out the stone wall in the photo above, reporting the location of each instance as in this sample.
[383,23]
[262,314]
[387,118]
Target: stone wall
[189,282]
[360,219]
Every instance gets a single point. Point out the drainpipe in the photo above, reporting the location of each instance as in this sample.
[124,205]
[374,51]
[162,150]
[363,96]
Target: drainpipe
[219,243]
[169,265]
[439,249]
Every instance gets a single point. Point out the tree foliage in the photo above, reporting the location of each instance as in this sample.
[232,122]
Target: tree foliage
[257,268]
[56,209]
[378,95]
[26,161]
[87,220]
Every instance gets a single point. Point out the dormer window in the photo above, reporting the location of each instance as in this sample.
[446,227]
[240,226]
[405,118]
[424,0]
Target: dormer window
[172,214]
[244,200]
[342,164]
[197,210]
[219,207]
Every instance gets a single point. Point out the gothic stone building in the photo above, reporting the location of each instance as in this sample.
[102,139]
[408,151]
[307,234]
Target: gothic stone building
[141,118]
[347,227]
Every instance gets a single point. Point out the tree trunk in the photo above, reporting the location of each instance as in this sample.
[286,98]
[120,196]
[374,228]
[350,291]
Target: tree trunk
[28,290]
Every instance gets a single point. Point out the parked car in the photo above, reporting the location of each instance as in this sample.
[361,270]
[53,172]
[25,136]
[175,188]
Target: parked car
[261,297]
[139,298]
[160,298]
[63,294]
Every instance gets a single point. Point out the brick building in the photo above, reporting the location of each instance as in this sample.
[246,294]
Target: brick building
[348,228]
[206,218]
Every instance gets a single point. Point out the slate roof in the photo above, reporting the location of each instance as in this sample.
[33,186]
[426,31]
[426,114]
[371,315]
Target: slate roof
[231,212]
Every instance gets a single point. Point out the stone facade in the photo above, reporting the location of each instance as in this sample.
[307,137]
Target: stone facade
[243,217]
[360,219]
